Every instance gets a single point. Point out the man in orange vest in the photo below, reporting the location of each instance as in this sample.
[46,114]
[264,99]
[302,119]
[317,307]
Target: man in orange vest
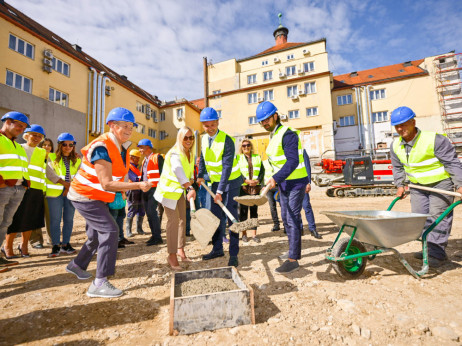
[135,205]
[151,169]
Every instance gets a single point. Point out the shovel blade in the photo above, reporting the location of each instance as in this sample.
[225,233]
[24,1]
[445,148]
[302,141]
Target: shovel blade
[251,200]
[203,226]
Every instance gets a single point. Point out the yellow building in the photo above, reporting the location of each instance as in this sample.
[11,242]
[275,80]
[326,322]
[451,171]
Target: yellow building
[64,89]
[294,76]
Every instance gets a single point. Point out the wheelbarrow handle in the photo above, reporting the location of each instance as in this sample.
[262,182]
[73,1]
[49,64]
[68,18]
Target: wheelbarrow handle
[432,189]
[227,212]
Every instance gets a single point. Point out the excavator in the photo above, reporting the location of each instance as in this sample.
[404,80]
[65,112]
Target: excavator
[356,177]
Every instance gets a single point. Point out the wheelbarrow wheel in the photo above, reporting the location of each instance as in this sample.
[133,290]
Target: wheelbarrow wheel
[349,269]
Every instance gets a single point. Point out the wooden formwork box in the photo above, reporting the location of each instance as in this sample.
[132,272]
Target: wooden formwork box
[210,311]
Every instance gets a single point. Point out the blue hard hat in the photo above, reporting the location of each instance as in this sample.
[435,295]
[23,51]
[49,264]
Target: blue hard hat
[121,114]
[145,141]
[66,136]
[265,110]
[35,128]
[208,114]
[16,116]
[401,115]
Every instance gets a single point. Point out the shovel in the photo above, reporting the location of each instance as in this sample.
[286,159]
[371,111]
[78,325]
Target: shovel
[203,224]
[253,200]
[237,226]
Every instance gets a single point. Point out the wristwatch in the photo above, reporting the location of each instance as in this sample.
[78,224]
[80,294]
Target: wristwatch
[190,188]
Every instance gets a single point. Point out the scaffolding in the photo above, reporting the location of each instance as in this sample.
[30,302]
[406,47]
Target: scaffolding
[449,89]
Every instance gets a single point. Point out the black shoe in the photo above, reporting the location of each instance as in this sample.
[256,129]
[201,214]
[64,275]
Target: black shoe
[6,263]
[125,241]
[120,245]
[315,234]
[233,262]
[435,262]
[55,251]
[151,242]
[212,255]
[140,231]
[68,249]
[287,267]
[275,228]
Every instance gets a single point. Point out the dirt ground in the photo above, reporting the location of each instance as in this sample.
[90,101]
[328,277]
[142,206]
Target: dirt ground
[41,304]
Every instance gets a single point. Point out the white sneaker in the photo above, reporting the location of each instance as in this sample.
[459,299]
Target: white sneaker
[106,290]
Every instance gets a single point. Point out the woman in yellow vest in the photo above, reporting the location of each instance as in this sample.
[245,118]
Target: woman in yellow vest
[174,190]
[29,215]
[253,173]
[65,163]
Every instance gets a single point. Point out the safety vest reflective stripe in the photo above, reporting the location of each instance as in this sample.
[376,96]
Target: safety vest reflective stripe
[38,180]
[12,168]
[152,171]
[54,187]
[428,173]
[9,156]
[92,171]
[87,182]
[37,168]
[422,163]
[13,160]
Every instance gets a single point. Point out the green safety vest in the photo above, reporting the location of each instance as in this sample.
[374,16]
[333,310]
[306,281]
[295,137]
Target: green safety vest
[213,157]
[269,171]
[244,166]
[13,160]
[37,169]
[55,190]
[422,166]
[169,186]
[276,156]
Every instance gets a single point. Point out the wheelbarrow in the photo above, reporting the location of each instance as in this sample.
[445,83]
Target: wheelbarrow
[383,230]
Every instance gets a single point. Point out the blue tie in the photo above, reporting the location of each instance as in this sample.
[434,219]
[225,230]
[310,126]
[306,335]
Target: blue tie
[210,142]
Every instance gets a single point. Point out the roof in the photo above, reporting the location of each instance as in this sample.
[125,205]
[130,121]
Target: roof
[380,74]
[199,103]
[13,15]
[282,47]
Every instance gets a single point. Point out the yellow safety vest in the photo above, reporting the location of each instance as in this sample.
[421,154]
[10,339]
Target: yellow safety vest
[169,186]
[269,171]
[13,160]
[37,169]
[422,166]
[277,158]
[55,190]
[244,166]
[213,157]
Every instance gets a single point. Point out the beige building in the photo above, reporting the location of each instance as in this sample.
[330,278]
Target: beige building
[294,76]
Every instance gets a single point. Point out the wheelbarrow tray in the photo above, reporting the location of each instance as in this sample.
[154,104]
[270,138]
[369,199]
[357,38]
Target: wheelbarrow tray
[380,228]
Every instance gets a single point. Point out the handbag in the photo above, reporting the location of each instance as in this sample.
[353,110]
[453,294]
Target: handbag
[118,202]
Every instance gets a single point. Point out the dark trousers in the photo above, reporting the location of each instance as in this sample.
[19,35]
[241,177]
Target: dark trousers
[272,205]
[150,207]
[102,232]
[231,205]
[309,212]
[291,205]
[119,216]
[135,208]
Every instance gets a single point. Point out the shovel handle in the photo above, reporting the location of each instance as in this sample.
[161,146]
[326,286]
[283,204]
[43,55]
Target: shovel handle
[432,189]
[265,191]
[192,205]
[227,212]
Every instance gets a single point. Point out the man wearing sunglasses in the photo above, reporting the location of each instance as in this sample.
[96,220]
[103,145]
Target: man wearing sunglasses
[285,156]
[218,159]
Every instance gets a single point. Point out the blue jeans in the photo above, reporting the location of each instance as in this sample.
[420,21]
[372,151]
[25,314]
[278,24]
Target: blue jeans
[119,216]
[309,212]
[10,199]
[150,206]
[291,206]
[60,208]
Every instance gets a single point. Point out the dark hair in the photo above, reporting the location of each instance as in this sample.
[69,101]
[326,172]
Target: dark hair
[40,145]
[72,156]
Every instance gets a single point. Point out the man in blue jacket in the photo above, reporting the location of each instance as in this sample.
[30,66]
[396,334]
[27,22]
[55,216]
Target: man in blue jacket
[218,159]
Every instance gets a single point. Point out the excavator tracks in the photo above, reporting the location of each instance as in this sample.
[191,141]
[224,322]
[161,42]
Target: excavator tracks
[361,191]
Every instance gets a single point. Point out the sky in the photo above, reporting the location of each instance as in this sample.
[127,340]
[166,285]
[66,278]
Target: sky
[160,44]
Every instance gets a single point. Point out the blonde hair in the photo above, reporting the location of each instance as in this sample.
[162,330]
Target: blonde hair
[251,146]
[179,140]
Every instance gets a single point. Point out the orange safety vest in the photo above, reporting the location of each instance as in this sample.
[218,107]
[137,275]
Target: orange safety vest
[152,169]
[86,181]
[135,170]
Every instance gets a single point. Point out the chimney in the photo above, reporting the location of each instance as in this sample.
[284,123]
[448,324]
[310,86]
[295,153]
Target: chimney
[280,34]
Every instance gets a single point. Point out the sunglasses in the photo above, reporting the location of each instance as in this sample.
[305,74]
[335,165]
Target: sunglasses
[245,145]
[67,145]
[188,138]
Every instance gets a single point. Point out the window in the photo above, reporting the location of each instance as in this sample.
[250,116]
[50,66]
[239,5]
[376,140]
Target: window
[58,97]
[141,129]
[310,88]
[344,100]
[179,113]
[140,107]
[268,95]
[162,116]
[308,66]
[310,112]
[252,79]
[215,92]
[252,98]
[264,63]
[292,91]
[378,117]
[151,133]
[154,115]
[219,114]
[290,57]
[60,66]
[252,120]
[290,70]
[347,121]
[268,75]
[294,114]
[21,46]
[162,135]
[19,82]
[377,94]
